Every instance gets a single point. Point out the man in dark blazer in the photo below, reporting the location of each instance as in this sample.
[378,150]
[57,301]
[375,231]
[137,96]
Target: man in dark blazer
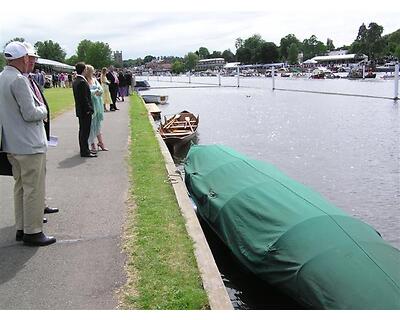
[113,87]
[84,109]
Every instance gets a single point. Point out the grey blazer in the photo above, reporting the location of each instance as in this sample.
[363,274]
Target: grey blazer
[21,115]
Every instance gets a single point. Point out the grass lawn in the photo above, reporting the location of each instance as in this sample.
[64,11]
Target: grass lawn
[161,267]
[59,100]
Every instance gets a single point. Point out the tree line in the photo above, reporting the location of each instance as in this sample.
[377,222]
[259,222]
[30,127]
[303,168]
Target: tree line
[98,54]
[252,50]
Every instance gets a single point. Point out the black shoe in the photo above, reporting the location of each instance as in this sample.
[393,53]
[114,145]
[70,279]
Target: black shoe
[19,235]
[116,108]
[112,109]
[48,210]
[44,220]
[37,239]
[90,155]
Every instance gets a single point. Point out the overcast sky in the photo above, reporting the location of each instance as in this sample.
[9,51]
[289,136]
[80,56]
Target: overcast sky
[163,28]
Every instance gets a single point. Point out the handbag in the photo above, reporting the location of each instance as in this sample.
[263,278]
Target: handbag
[5,165]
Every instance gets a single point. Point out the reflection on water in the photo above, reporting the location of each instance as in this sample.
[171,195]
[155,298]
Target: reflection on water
[346,148]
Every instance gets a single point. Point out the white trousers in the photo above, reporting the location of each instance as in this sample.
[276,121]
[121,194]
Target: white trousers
[29,173]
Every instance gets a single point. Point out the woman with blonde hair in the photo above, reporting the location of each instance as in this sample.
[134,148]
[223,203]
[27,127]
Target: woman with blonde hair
[96,91]
[106,91]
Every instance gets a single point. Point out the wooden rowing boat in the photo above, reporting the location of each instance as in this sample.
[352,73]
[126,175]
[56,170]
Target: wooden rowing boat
[179,129]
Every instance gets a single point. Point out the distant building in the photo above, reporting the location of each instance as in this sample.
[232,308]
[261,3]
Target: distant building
[159,66]
[337,52]
[210,64]
[118,58]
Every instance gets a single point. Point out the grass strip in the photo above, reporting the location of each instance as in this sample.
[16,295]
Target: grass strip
[161,266]
[59,100]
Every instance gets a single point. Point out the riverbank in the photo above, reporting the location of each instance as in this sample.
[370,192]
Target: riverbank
[161,266]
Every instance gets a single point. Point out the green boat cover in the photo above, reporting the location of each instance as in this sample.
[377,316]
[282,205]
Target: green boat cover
[291,236]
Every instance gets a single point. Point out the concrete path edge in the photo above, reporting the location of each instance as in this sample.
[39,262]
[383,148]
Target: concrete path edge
[217,295]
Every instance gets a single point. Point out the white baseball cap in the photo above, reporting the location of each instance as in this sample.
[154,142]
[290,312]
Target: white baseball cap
[15,50]
[31,50]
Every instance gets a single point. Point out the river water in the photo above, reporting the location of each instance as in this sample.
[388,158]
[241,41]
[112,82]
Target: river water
[344,147]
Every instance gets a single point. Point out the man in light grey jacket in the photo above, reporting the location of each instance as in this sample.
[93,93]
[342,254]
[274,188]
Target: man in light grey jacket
[24,140]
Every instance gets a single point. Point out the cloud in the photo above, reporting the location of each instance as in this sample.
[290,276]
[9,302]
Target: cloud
[138,33]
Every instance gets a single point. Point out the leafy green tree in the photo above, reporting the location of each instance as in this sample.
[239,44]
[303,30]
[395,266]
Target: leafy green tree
[369,41]
[312,47]
[329,45]
[82,51]
[216,54]
[148,58]
[396,52]
[293,54]
[228,56]
[50,50]
[267,52]
[375,41]
[98,54]
[178,67]
[392,40]
[251,50]
[72,60]
[243,55]
[203,53]
[253,42]
[238,43]
[286,42]
[191,60]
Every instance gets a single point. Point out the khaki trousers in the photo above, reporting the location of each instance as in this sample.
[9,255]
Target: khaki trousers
[29,173]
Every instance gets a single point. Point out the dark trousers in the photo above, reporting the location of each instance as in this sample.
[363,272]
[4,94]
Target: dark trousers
[113,94]
[84,131]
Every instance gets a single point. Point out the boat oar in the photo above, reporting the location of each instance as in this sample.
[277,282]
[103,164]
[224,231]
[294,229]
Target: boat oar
[172,120]
[187,119]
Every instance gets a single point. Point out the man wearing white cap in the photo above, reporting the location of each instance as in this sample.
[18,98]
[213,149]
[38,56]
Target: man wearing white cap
[24,141]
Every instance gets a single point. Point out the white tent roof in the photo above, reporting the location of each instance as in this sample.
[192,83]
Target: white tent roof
[231,65]
[310,61]
[338,57]
[54,63]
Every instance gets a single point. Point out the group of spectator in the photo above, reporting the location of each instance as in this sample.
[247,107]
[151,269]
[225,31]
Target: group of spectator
[63,80]
[124,80]
[25,128]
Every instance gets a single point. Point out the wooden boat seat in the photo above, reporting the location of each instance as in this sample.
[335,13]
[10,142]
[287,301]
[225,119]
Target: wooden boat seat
[169,134]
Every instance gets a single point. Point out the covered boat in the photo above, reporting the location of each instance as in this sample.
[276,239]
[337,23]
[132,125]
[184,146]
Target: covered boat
[141,85]
[155,98]
[291,236]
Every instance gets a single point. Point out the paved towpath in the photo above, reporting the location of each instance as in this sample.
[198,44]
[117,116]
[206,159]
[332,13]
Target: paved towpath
[86,265]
